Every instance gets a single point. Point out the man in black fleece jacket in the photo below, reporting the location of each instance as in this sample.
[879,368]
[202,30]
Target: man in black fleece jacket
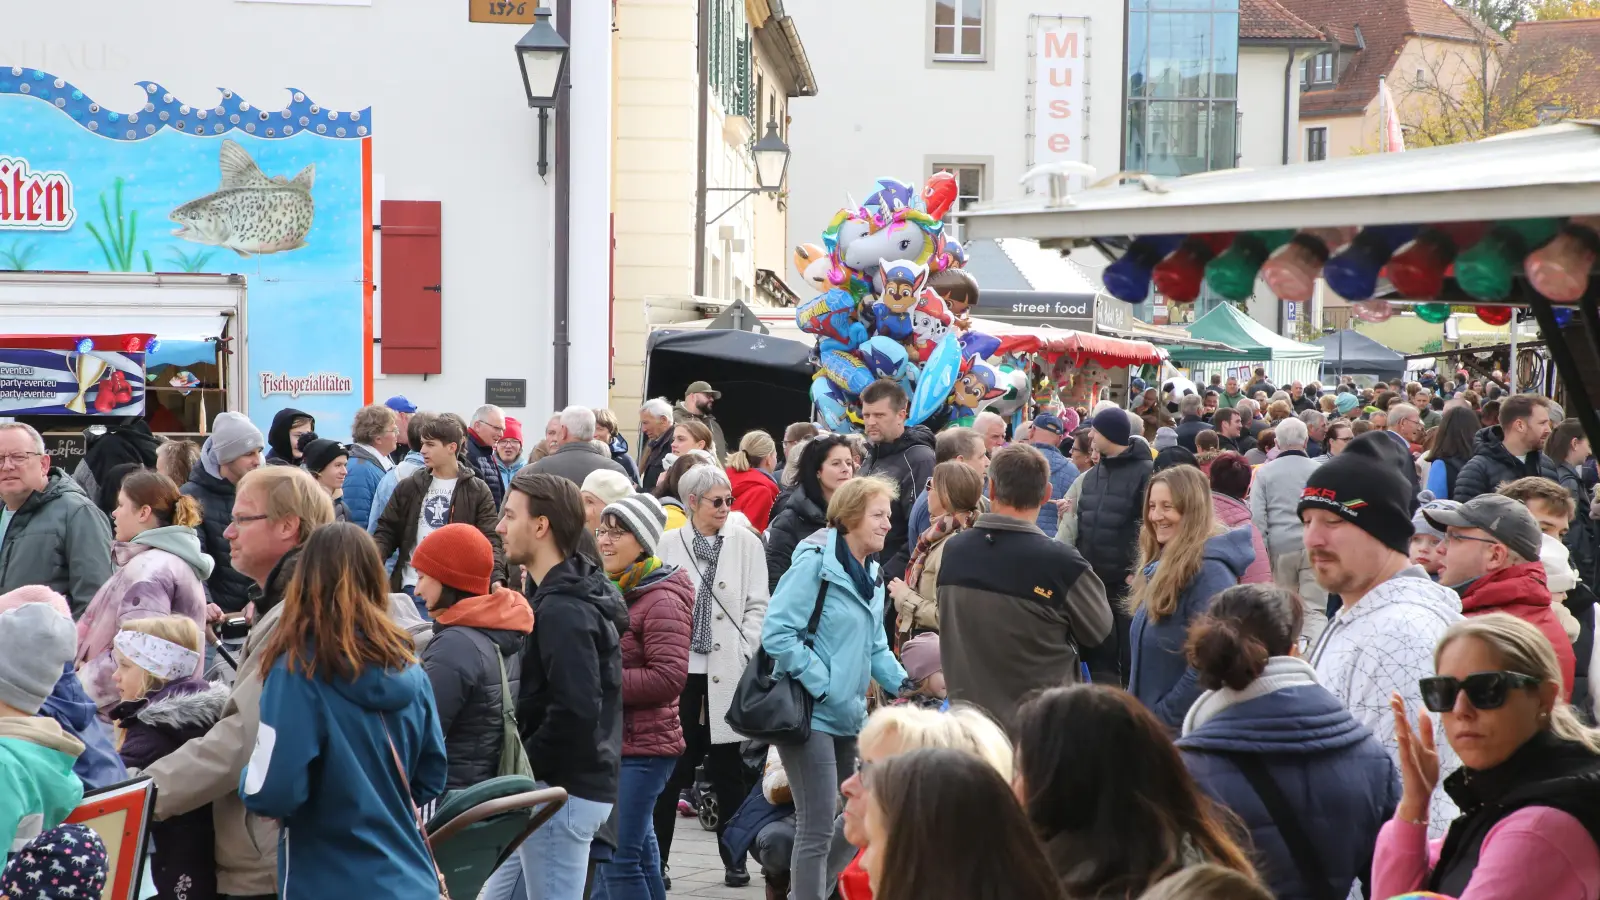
[904,456]
[569,705]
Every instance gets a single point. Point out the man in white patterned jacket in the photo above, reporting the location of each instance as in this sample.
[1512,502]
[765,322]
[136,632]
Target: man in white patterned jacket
[1381,641]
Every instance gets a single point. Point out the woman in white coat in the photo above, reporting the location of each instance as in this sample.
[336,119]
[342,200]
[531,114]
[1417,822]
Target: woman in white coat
[728,564]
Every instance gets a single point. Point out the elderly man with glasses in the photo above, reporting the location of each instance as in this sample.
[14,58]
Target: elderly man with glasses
[51,533]
[487,428]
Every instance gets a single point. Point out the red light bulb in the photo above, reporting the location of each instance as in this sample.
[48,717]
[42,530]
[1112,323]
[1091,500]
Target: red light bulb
[1179,276]
[1494,315]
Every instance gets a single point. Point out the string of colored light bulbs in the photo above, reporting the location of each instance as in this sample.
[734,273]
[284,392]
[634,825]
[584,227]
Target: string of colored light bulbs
[1556,255]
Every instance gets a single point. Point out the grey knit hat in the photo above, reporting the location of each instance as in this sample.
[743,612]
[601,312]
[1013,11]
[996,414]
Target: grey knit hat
[232,436]
[643,516]
[36,643]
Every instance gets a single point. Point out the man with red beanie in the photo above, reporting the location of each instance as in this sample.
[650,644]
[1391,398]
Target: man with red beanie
[476,647]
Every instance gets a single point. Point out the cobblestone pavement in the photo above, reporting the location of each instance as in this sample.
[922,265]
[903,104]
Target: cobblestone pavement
[697,869]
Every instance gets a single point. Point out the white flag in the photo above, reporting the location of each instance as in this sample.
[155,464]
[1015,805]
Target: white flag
[1390,137]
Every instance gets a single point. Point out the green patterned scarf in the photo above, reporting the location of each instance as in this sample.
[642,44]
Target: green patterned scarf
[629,578]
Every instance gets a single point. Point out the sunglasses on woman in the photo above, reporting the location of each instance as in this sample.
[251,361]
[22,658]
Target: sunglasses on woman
[1485,690]
[718,502]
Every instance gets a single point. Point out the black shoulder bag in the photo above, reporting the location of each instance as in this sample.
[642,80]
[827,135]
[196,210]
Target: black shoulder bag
[774,708]
[1301,849]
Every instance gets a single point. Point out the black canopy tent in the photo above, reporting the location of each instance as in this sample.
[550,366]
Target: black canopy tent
[1350,352]
[765,381]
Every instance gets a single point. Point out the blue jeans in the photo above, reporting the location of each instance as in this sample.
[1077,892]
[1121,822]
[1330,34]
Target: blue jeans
[634,872]
[553,862]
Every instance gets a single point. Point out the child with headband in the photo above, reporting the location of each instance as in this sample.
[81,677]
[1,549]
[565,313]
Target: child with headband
[164,707]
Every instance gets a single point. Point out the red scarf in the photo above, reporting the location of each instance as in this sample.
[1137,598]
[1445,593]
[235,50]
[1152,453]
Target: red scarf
[942,527]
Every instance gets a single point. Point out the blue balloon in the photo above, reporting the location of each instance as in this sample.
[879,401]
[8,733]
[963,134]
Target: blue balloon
[831,410]
[938,377]
[983,346]
[884,356]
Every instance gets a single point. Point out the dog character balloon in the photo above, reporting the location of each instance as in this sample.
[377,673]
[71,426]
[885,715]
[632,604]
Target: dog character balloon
[978,382]
[903,281]
[930,321]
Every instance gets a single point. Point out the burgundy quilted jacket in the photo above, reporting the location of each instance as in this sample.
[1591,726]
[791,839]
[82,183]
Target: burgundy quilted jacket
[655,663]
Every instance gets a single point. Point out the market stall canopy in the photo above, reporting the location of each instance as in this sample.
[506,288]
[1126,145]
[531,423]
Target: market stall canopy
[172,308]
[1076,345]
[1250,339]
[765,380]
[1352,352]
[1552,170]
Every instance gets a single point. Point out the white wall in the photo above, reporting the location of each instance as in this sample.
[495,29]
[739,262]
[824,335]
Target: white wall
[883,109]
[450,123]
[1261,102]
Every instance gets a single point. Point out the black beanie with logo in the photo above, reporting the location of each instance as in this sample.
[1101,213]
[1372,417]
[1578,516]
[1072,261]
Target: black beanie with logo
[1365,487]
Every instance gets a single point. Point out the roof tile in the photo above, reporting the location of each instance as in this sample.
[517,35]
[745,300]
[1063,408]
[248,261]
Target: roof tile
[1549,47]
[1385,26]
[1269,20]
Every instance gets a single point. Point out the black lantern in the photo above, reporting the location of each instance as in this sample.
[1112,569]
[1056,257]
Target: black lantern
[542,55]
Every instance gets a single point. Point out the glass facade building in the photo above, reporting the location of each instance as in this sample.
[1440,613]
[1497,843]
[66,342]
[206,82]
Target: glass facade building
[1183,86]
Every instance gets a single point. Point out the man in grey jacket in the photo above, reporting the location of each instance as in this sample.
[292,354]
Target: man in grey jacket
[51,533]
[1274,510]
[577,454]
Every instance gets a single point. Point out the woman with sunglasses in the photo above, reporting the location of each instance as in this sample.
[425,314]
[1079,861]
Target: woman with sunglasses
[1529,782]
[727,563]
[1339,437]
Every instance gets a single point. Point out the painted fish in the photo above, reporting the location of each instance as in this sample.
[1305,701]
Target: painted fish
[250,213]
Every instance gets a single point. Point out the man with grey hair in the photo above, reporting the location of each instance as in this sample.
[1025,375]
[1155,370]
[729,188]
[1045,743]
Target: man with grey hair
[577,454]
[487,427]
[51,533]
[1316,431]
[993,428]
[1190,422]
[655,423]
[1250,412]
[1274,509]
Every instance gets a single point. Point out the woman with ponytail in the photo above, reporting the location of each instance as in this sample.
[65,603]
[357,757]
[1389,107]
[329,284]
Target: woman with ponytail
[1529,782]
[161,571]
[1265,729]
[750,471]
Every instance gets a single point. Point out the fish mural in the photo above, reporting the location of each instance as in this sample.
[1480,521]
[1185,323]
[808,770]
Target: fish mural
[250,213]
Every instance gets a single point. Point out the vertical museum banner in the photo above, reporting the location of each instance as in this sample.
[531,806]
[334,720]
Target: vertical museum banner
[1060,69]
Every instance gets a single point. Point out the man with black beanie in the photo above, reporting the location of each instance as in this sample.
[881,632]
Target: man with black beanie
[1356,509]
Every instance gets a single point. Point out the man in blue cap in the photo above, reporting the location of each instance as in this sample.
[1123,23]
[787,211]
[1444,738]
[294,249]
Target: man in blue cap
[1048,430]
[403,409]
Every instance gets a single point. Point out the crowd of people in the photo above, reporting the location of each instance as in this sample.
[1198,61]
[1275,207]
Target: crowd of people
[1241,643]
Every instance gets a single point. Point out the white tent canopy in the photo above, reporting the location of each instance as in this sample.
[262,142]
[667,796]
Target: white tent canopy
[1549,171]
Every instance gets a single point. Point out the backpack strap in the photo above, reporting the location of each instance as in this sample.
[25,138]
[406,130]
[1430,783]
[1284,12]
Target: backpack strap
[1301,849]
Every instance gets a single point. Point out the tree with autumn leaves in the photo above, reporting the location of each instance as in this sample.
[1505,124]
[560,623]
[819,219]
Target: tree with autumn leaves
[1505,81]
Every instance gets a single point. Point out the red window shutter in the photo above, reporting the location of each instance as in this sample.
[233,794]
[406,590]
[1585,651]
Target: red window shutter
[412,287]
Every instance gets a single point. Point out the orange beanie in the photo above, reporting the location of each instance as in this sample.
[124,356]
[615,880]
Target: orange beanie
[457,555]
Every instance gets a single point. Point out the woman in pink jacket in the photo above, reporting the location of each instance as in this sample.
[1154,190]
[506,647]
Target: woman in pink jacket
[161,571]
[1529,782]
[1230,485]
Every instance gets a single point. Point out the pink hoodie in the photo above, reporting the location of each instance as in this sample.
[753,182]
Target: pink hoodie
[1234,513]
[1534,852]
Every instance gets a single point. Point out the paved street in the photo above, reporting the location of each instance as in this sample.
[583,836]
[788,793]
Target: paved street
[697,870]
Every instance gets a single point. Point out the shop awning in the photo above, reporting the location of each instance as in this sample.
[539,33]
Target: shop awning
[1167,338]
[1076,345]
[1459,182]
[1249,339]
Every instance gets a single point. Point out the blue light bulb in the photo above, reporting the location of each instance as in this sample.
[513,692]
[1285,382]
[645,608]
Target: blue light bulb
[1563,316]
[152,346]
[85,345]
[1128,279]
[1352,273]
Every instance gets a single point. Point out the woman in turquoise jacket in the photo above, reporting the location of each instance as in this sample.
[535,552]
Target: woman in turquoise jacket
[835,666]
[349,744]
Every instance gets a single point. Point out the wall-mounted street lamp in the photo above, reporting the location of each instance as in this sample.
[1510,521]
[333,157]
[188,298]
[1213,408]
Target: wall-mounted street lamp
[772,164]
[542,56]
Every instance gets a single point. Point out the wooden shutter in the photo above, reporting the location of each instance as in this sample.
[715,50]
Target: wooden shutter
[411,287]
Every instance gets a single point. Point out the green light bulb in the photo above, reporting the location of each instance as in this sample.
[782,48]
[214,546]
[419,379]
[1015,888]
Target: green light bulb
[1433,313]
[1233,273]
[1486,271]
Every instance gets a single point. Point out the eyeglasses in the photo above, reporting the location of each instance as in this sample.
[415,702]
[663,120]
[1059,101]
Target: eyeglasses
[718,502]
[497,429]
[610,533]
[245,520]
[1485,690]
[1466,537]
[17,459]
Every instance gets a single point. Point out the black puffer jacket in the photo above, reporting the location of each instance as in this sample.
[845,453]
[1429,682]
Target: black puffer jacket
[215,495]
[1492,464]
[800,518]
[463,664]
[1109,514]
[907,461]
